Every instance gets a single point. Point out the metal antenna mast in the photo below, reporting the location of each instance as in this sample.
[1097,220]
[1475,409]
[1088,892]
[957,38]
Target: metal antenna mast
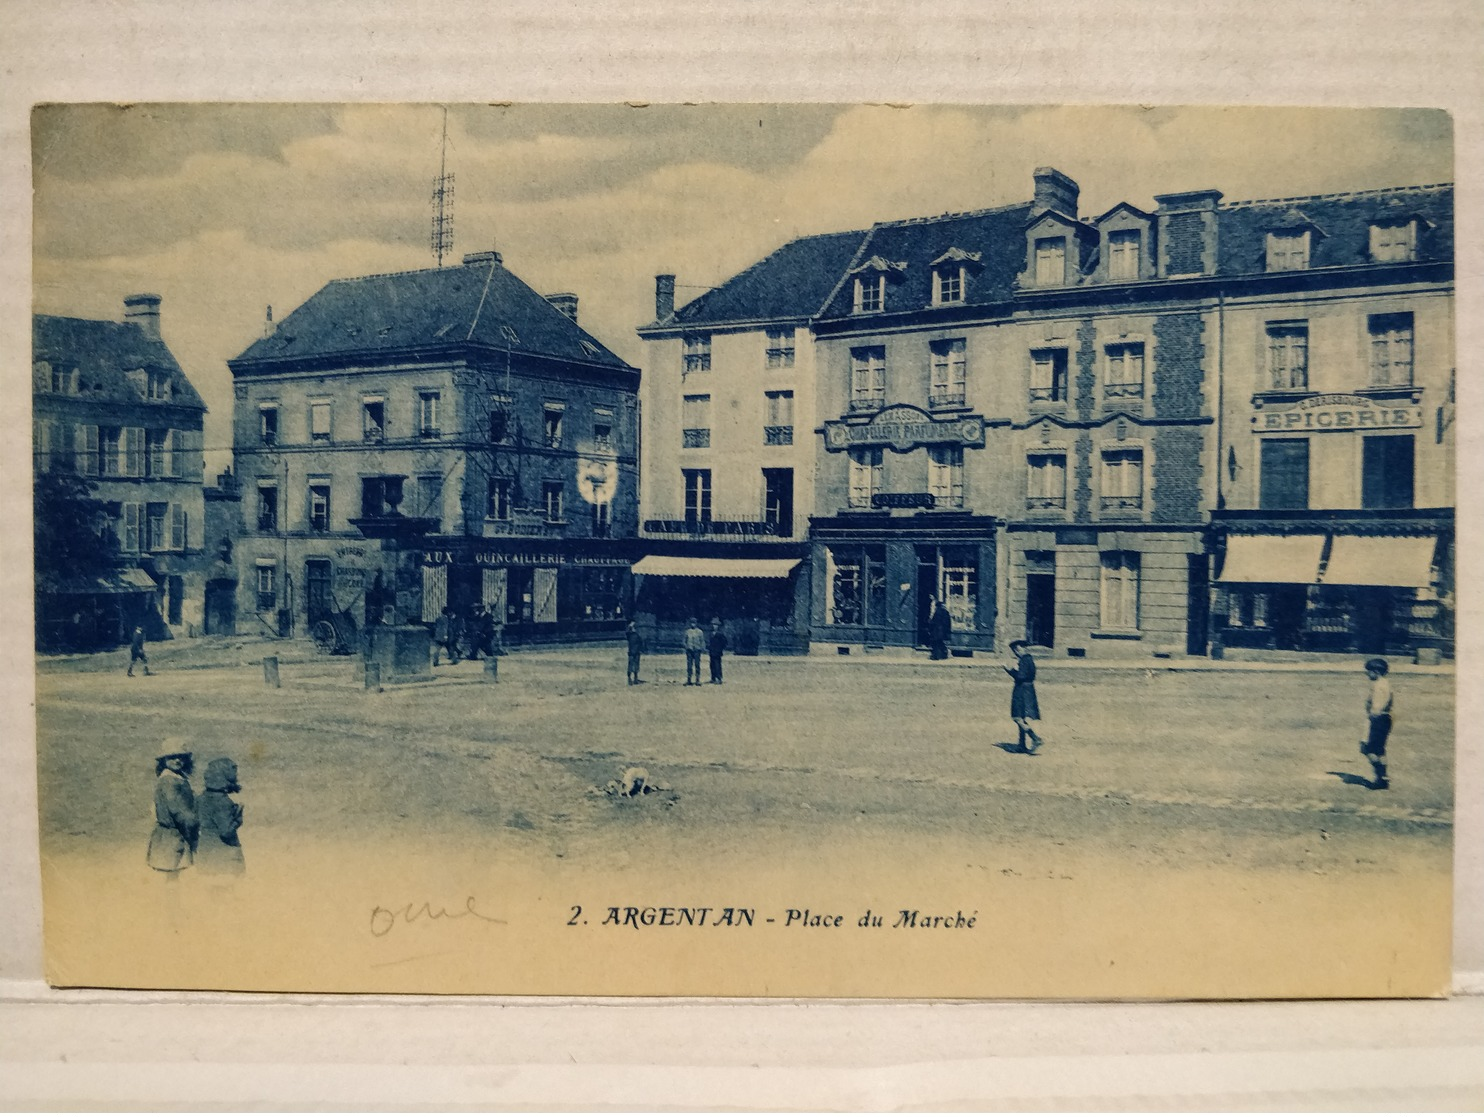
[441,240]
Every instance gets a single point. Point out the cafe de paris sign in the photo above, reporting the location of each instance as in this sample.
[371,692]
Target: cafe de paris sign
[1337,413]
[903,428]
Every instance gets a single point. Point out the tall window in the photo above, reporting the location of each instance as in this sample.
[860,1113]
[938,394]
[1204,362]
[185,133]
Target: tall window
[157,527]
[697,496]
[1391,350]
[1394,243]
[319,505]
[602,519]
[373,419]
[778,499]
[159,449]
[1285,473]
[1124,371]
[1051,261]
[551,425]
[130,525]
[267,506]
[1048,376]
[948,284]
[780,349]
[1288,251]
[950,373]
[429,502]
[857,585]
[319,421]
[500,422]
[157,385]
[1046,480]
[551,499]
[1288,355]
[865,476]
[946,475]
[1123,479]
[498,507]
[870,294]
[778,425]
[958,584]
[1387,466]
[1123,254]
[267,588]
[268,424]
[1120,591]
[695,421]
[429,420]
[868,378]
[697,349]
[602,428]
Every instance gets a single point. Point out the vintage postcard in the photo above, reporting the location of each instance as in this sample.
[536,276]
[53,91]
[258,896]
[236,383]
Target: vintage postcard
[745,550]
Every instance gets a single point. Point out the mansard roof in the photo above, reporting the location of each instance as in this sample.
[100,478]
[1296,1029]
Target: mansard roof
[104,353]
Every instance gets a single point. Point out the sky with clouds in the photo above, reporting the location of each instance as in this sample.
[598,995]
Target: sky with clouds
[225,209]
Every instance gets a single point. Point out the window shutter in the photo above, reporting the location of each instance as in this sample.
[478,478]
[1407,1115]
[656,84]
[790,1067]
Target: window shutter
[167,453]
[133,451]
[177,527]
[85,450]
[494,590]
[435,591]
[131,526]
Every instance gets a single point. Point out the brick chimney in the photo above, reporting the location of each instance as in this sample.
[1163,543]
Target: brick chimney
[1187,232]
[1056,191]
[566,302]
[664,297]
[144,312]
[489,256]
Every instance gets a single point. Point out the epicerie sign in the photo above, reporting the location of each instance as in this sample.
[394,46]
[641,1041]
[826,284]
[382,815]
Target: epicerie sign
[904,427]
[1337,413]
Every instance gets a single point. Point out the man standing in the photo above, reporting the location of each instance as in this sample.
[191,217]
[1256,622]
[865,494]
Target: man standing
[940,627]
[1378,710]
[636,649]
[716,643]
[172,844]
[136,651]
[695,644]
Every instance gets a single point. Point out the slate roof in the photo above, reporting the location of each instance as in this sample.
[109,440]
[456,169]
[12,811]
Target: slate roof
[474,303]
[1345,220]
[103,354]
[792,282]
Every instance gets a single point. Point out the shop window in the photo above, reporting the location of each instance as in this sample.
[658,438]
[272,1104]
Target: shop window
[498,507]
[780,349]
[319,505]
[1247,609]
[1123,376]
[1387,468]
[1051,261]
[946,475]
[1284,482]
[551,425]
[1123,254]
[1288,251]
[1394,243]
[868,378]
[778,430]
[551,500]
[950,373]
[319,421]
[429,417]
[958,585]
[268,424]
[865,476]
[697,496]
[695,421]
[1119,591]
[857,581]
[267,588]
[1123,480]
[373,419]
[1391,350]
[1288,356]
[1046,480]
[267,506]
[1048,376]
[697,353]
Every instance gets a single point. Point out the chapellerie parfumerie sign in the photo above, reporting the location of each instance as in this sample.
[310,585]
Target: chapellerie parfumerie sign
[903,428]
[1337,413]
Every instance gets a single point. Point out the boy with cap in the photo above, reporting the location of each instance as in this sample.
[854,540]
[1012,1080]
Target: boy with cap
[1378,709]
[695,644]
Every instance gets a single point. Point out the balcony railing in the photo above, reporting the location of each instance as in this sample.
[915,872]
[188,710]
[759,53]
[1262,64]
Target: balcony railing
[1124,391]
[947,398]
[778,436]
[1121,503]
[1041,503]
[863,404]
[696,438]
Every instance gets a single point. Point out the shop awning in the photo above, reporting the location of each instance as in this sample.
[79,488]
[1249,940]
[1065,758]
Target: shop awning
[683,566]
[132,580]
[1381,560]
[1292,559]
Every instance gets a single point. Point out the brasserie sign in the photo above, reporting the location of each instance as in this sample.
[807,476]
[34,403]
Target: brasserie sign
[1337,413]
[904,427]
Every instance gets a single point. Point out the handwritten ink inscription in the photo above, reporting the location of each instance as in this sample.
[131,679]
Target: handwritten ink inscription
[386,920]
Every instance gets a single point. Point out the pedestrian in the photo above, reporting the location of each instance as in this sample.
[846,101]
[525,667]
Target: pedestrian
[442,629]
[1025,710]
[219,850]
[136,651]
[1378,710]
[172,844]
[484,632]
[636,649]
[716,643]
[695,644]
[940,627]
[455,635]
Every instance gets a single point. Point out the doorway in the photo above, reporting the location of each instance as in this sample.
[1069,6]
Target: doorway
[318,602]
[1197,604]
[1040,598]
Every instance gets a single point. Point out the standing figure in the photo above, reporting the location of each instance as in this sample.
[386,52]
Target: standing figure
[484,633]
[695,644]
[940,627]
[442,629]
[636,649]
[172,845]
[1378,709]
[1025,710]
[716,643]
[219,850]
[136,651]
[455,635]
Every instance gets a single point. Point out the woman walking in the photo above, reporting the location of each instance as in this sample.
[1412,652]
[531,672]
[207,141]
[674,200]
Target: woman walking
[1025,711]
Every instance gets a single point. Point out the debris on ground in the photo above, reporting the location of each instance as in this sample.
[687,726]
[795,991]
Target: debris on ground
[633,783]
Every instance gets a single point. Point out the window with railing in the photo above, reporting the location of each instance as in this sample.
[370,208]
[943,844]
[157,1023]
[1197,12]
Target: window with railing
[780,349]
[1123,371]
[429,414]
[1046,486]
[373,419]
[551,499]
[696,353]
[949,373]
[695,422]
[267,507]
[946,475]
[865,476]
[778,429]
[551,425]
[697,496]
[1123,480]
[1288,355]
[319,505]
[268,424]
[319,421]
[498,506]
[1048,383]
[1391,350]
[868,378]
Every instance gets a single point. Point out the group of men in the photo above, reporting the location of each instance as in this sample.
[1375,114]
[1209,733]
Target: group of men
[695,641]
[459,637]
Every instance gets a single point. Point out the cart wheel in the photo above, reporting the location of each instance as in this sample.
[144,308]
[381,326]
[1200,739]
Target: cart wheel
[324,637]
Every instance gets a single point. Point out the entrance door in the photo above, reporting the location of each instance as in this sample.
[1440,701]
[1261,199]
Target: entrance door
[1372,620]
[221,606]
[1040,609]
[1197,605]
[778,499]
[927,589]
[544,594]
[317,598]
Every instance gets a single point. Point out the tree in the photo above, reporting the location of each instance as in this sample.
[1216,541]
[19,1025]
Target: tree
[72,536]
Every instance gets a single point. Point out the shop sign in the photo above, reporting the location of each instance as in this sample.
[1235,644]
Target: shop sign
[711,527]
[521,558]
[904,427]
[1337,413]
[903,500]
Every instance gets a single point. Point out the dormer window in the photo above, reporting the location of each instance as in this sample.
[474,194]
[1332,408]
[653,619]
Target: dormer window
[1123,254]
[948,285]
[1051,261]
[870,294]
[1288,250]
[1394,242]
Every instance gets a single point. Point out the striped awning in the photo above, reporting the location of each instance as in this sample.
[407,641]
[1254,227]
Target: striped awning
[1381,560]
[1288,559]
[684,566]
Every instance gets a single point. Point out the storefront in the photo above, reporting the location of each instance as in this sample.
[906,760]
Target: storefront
[541,590]
[1377,583]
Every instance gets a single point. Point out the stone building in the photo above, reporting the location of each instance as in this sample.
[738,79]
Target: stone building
[451,412]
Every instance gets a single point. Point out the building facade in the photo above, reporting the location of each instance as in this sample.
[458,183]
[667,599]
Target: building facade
[111,404]
[451,412]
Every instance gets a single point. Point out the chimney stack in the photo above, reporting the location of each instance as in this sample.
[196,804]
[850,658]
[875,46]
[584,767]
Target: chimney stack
[664,297]
[489,256]
[566,302]
[144,312]
[1056,191]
